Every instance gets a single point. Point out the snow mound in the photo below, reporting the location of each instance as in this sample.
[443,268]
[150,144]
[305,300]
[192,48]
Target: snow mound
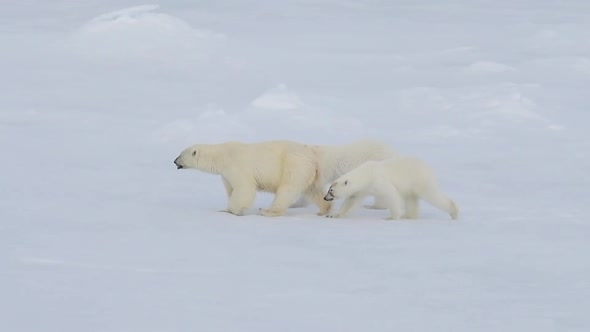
[278,98]
[447,113]
[143,33]
[123,14]
[514,105]
[292,116]
[489,67]
[143,19]
[212,125]
[277,114]
[517,107]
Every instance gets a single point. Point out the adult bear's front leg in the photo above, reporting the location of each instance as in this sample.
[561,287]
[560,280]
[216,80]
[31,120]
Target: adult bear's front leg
[242,198]
[228,187]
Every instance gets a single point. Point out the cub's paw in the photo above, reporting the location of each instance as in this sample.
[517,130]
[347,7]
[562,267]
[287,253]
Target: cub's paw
[332,216]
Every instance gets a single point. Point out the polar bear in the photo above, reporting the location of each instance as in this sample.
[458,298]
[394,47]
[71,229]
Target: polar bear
[336,160]
[397,181]
[285,168]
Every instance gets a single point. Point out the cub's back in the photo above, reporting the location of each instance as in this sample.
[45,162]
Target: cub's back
[408,173]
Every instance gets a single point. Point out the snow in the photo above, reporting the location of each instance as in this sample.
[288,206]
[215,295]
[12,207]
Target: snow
[279,98]
[100,232]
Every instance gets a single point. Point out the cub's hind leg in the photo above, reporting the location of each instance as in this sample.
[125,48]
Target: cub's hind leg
[441,201]
[412,207]
[379,204]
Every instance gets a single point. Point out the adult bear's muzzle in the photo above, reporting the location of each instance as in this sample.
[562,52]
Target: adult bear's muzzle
[177,163]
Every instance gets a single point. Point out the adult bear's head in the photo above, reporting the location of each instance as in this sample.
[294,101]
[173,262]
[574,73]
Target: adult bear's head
[188,158]
[204,157]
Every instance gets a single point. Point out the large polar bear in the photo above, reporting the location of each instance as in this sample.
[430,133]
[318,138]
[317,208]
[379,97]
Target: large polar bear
[336,160]
[397,181]
[285,168]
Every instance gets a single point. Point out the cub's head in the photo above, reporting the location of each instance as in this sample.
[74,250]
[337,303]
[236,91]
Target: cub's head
[188,158]
[337,190]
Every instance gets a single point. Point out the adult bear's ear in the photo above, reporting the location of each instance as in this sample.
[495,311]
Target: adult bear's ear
[346,182]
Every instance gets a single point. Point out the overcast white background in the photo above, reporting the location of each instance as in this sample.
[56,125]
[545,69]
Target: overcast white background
[100,232]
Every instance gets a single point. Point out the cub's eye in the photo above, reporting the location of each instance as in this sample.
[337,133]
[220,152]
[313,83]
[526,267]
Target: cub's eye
[194,153]
[346,182]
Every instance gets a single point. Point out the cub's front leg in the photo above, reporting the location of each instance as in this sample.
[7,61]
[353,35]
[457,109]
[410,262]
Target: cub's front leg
[396,201]
[316,195]
[350,203]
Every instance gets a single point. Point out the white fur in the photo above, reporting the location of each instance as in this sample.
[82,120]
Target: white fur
[400,181]
[336,160]
[287,169]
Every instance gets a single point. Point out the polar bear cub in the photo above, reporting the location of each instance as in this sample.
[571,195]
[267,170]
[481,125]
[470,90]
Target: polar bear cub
[336,160]
[400,181]
[285,168]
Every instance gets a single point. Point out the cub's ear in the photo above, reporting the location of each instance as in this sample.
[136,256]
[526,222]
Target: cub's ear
[346,182]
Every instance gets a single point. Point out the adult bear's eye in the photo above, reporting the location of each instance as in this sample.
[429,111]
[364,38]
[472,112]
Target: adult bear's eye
[346,182]
[194,153]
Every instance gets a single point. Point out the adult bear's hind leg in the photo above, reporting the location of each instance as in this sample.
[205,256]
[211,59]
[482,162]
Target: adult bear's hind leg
[297,177]
[316,195]
[284,197]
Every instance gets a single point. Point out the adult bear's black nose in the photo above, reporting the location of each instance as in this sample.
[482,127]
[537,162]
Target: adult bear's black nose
[176,162]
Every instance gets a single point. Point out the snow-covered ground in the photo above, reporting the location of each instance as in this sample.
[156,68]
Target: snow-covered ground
[100,232]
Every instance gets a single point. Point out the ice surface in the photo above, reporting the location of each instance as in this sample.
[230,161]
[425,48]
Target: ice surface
[100,232]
